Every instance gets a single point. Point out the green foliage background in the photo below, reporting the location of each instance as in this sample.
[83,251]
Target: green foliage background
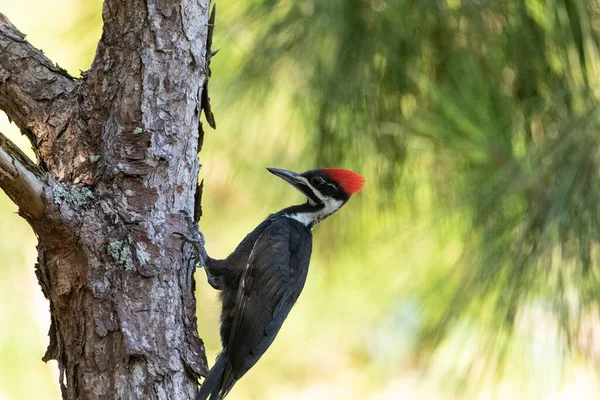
[467,267]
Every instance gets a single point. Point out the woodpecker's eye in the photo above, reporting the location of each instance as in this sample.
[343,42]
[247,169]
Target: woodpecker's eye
[317,180]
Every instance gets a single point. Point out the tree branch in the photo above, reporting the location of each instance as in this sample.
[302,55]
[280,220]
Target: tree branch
[32,88]
[19,179]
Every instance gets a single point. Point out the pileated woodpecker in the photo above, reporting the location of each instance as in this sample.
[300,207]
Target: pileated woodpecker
[262,279]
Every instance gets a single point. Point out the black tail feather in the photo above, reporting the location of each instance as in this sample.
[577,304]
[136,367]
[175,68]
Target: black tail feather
[212,384]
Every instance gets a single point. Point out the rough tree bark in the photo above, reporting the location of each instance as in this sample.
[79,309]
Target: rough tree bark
[117,161]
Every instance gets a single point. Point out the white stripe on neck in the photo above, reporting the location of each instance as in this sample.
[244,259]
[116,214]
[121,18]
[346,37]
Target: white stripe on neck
[311,218]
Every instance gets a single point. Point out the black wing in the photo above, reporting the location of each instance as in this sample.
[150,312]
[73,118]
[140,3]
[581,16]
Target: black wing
[269,287]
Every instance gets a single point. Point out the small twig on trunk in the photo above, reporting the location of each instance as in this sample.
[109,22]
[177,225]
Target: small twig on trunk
[210,118]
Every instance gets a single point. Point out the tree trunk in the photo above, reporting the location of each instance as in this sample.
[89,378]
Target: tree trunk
[117,161]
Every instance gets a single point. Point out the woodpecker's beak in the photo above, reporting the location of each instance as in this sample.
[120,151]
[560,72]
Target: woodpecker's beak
[296,180]
[290,177]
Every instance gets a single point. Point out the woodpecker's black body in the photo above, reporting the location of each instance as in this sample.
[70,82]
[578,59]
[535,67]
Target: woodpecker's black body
[262,279]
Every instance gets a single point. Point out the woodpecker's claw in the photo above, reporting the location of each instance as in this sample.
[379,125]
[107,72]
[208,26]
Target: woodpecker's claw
[197,240]
[198,244]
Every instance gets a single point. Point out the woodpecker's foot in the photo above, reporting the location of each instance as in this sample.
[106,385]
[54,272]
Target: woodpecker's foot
[198,243]
[196,239]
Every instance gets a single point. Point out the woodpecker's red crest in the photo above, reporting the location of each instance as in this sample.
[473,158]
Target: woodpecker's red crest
[350,181]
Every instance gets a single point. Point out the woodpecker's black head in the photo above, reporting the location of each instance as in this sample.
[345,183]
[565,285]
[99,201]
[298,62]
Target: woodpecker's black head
[326,189]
